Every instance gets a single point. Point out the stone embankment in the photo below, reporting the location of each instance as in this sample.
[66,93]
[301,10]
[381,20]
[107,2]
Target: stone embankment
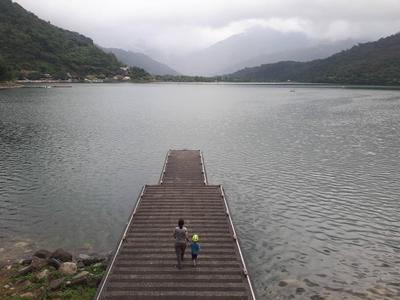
[52,275]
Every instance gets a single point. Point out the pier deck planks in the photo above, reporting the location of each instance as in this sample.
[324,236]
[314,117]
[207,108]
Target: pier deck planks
[143,266]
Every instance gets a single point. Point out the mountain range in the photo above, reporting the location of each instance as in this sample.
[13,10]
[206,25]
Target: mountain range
[254,47]
[31,47]
[141,60]
[372,63]
[322,50]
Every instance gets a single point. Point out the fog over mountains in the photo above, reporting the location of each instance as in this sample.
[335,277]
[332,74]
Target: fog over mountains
[141,60]
[72,53]
[318,51]
[372,63]
[216,37]
[254,47]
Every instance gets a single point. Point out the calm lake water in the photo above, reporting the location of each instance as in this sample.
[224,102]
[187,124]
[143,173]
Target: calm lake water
[312,177]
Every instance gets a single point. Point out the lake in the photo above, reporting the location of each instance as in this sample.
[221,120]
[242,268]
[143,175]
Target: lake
[312,176]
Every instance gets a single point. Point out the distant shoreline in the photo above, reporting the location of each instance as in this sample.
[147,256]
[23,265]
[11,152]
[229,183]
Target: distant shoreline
[8,85]
[68,83]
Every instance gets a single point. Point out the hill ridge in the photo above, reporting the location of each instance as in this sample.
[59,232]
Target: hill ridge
[372,63]
[141,60]
[30,47]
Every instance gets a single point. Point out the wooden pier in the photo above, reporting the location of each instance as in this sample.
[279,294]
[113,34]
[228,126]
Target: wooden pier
[143,265]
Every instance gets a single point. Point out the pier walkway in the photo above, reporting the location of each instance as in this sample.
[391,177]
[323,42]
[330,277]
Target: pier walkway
[143,266]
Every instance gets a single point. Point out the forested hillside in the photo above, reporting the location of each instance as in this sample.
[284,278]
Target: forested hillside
[31,47]
[376,63]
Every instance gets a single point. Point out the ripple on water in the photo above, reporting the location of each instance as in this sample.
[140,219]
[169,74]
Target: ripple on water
[312,179]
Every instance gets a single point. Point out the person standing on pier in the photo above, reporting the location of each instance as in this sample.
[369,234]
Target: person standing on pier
[181,238]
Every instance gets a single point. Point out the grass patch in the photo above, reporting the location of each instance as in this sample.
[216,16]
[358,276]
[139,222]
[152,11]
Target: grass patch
[97,271]
[54,274]
[76,293]
[40,287]
[20,278]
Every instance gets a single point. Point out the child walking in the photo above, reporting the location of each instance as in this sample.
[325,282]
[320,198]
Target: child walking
[195,248]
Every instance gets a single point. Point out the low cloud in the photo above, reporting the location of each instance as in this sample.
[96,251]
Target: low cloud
[178,26]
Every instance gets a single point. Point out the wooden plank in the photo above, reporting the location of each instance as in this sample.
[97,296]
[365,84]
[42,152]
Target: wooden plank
[143,265]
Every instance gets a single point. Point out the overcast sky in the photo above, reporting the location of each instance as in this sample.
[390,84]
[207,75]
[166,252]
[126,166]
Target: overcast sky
[178,26]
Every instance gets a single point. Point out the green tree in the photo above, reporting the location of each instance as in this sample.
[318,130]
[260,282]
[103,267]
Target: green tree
[139,74]
[5,73]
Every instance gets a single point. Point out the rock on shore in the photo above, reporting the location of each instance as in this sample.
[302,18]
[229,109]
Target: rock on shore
[51,275]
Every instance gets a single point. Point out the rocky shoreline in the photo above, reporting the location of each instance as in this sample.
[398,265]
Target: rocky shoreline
[52,275]
[9,85]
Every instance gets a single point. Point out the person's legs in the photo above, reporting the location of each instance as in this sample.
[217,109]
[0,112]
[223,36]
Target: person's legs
[178,250]
[183,248]
[194,260]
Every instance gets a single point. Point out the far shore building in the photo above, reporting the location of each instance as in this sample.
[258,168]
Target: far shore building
[124,70]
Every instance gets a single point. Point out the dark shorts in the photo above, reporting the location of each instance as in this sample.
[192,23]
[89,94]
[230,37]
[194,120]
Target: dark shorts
[194,256]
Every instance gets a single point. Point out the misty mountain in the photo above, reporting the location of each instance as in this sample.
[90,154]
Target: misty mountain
[254,47]
[141,60]
[252,43]
[368,63]
[319,51]
[30,46]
